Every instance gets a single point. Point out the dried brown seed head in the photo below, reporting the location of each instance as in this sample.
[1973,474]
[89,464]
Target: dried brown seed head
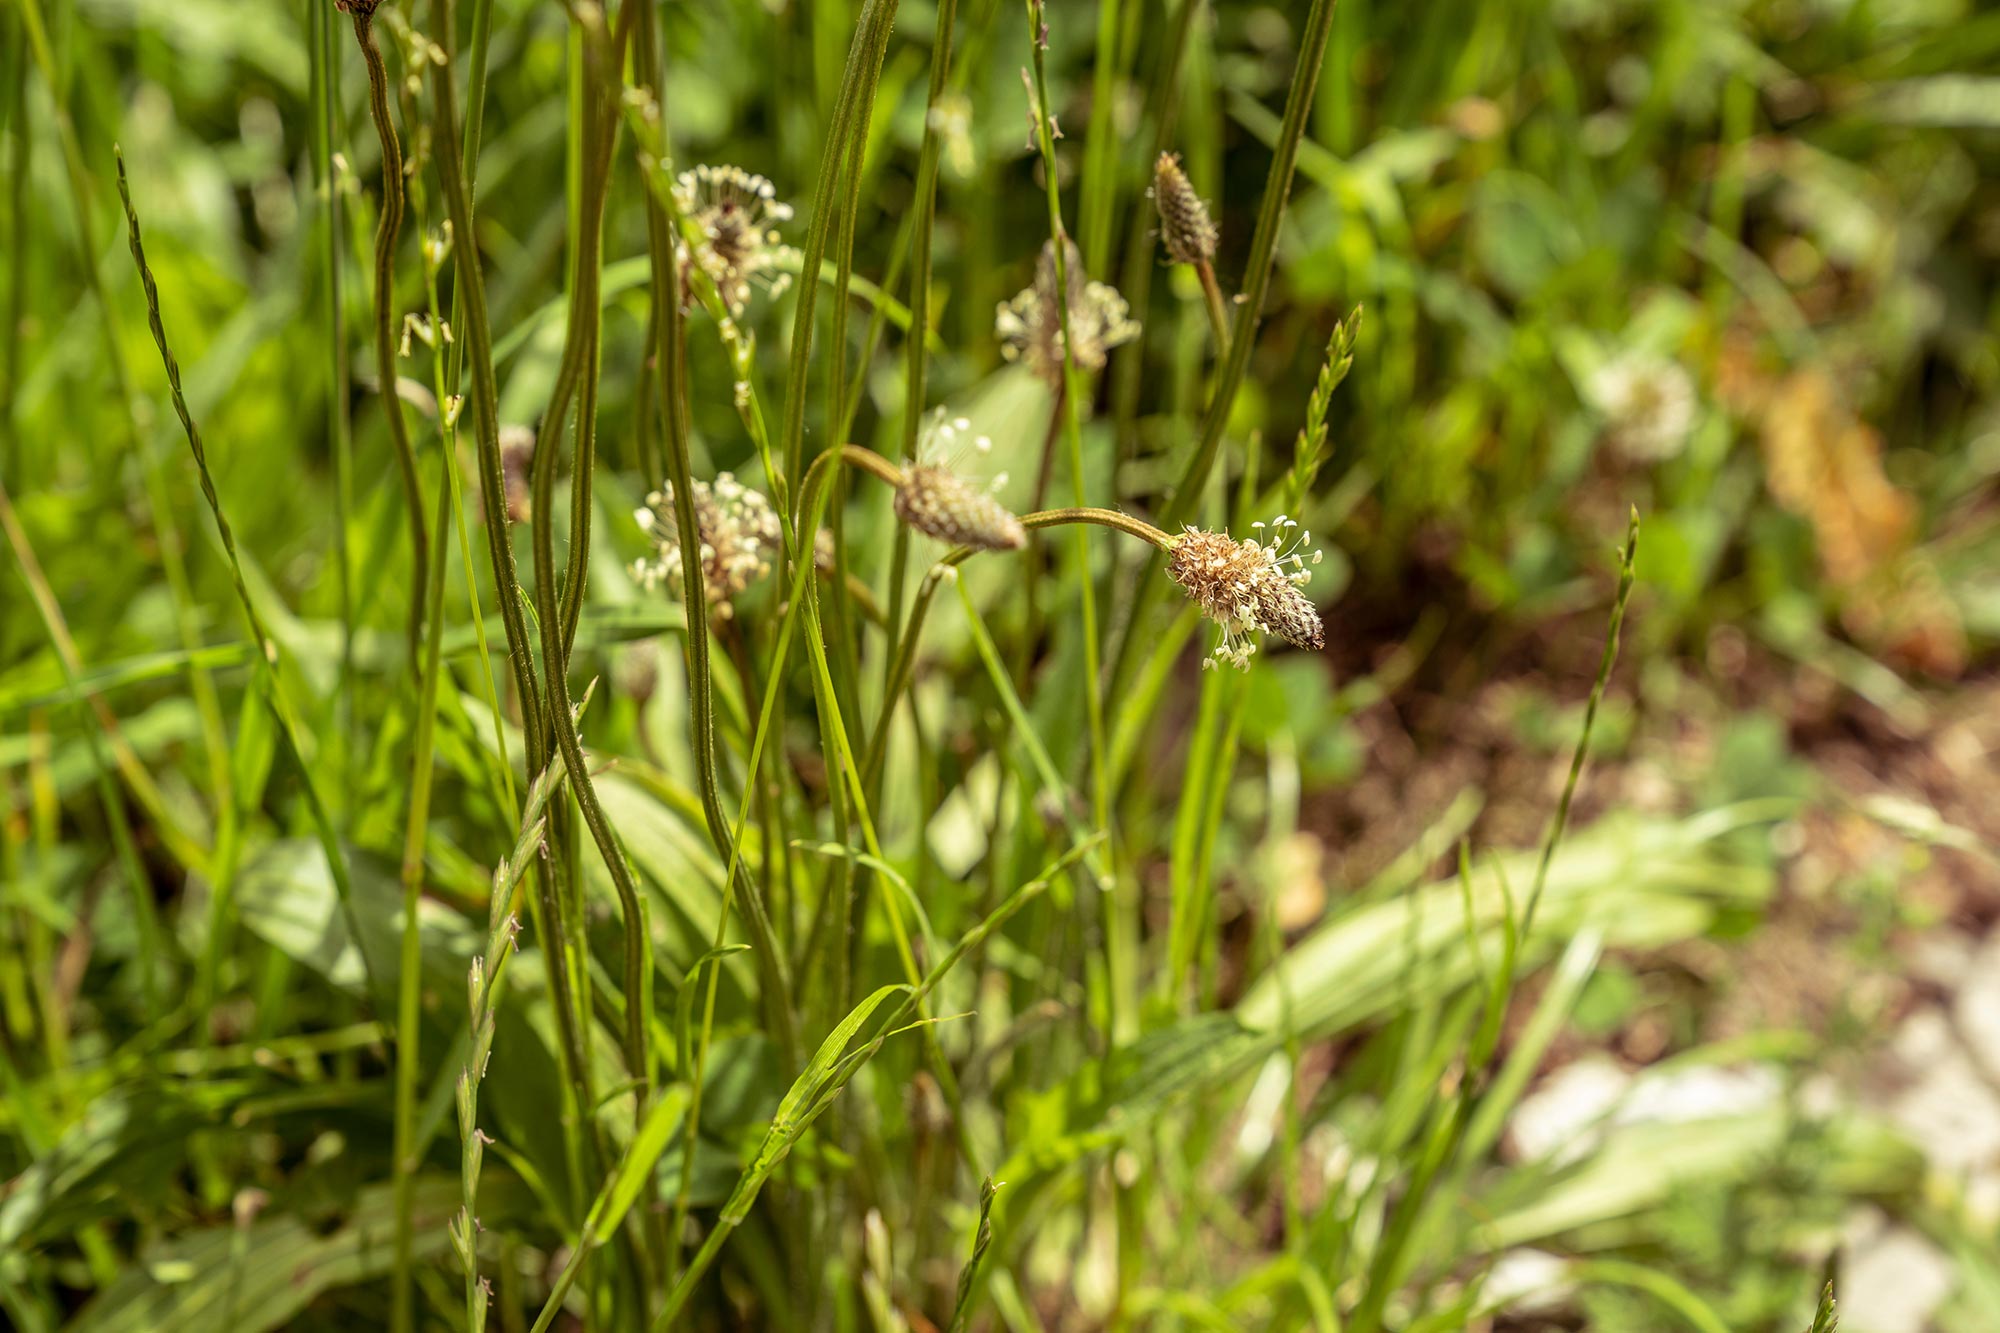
[1248,586]
[1185,227]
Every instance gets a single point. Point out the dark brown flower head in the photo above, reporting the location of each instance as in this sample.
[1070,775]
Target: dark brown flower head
[517,461]
[1249,586]
[361,8]
[1030,326]
[1185,227]
[739,532]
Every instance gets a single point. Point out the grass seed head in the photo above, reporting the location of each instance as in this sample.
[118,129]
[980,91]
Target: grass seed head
[739,533]
[1185,227]
[736,212]
[1030,326]
[1249,586]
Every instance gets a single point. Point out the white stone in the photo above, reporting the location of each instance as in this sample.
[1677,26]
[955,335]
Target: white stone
[1977,1008]
[1558,1119]
[1949,1111]
[1894,1283]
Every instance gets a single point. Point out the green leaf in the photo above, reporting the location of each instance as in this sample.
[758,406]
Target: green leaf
[127,1140]
[286,895]
[264,1275]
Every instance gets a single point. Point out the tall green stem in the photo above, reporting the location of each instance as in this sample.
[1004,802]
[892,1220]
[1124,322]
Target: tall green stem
[386,232]
[871,37]
[774,982]
[1118,965]
[477,338]
[409,979]
[558,612]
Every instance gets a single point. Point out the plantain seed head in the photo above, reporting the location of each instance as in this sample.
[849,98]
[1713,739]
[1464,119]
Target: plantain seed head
[1185,227]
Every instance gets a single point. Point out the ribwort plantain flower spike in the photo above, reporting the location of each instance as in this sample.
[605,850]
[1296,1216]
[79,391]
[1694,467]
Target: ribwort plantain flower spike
[1186,229]
[1247,586]
[941,504]
[739,533]
[735,211]
[936,500]
[1030,327]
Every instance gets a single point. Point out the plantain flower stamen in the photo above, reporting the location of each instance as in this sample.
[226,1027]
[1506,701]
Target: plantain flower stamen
[739,533]
[736,212]
[1030,326]
[1250,586]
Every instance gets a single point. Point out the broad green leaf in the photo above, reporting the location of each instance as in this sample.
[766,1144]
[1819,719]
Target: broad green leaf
[127,1139]
[264,1275]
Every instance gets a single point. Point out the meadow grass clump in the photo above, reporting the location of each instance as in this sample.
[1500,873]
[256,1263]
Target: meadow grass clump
[671,912]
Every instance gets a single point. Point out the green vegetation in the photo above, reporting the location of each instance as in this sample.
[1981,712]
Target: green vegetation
[1046,705]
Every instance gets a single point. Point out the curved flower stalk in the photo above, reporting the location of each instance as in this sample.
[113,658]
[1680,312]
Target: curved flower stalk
[932,498]
[362,12]
[1030,327]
